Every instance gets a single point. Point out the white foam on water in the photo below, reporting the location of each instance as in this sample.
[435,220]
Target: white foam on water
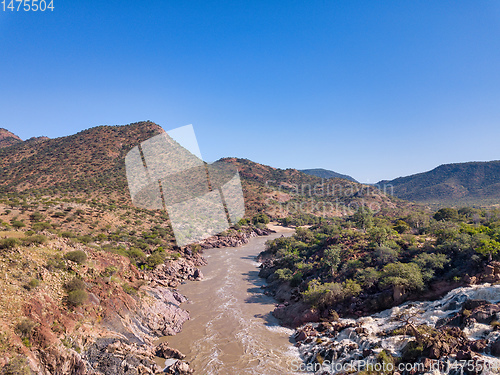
[348,345]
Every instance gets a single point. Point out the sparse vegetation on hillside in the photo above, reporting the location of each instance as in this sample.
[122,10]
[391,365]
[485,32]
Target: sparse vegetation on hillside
[459,184]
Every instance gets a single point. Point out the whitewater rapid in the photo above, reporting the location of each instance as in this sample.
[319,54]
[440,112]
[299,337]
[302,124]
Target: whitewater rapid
[373,333]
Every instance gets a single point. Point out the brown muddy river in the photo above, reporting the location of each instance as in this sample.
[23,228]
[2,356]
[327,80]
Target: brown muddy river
[231,330]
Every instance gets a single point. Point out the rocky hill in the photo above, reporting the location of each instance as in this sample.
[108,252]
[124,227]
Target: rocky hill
[8,139]
[474,183]
[91,164]
[325,173]
[289,192]
[88,280]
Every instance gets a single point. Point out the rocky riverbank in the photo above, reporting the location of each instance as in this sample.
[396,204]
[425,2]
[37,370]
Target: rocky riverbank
[456,334]
[160,314]
[452,320]
[115,330]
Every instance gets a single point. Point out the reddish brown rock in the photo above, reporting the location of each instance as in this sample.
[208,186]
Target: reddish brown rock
[165,351]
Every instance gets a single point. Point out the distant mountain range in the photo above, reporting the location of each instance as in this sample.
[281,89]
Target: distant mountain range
[473,183]
[92,162]
[325,173]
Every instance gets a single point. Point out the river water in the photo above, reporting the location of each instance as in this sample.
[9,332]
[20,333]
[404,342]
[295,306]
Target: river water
[231,330]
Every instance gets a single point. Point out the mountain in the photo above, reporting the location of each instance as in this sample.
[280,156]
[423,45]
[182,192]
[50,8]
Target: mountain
[91,164]
[325,173]
[8,138]
[91,161]
[290,192]
[473,183]
[81,266]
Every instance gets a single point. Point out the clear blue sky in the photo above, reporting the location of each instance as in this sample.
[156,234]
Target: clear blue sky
[374,89]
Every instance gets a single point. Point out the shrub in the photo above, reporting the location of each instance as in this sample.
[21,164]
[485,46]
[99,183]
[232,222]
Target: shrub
[39,226]
[350,288]
[136,255]
[77,297]
[446,214]
[406,275]
[401,226]
[261,218]
[261,226]
[101,237]
[36,216]
[129,289]
[284,274]
[17,366]
[55,263]
[304,235]
[68,234]
[25,327]
[175,255]
[323,295]
[155,259]
[77,256]
[430,262]
[110,271]
[331,257]
[75,284]
[195,248]
[296,279]
[384,255]
[37,239]
[33,283]
[85,239]
[367,277]
[18,224]
[9,243]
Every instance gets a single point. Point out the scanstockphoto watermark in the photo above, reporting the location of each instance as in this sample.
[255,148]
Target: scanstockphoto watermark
[326,198]
[356,366]
[444,366]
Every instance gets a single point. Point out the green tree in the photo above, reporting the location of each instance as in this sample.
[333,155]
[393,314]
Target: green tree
[363,218]
[367,277]
[331,257]
[401,226]
[488,247]
[446,214]
[428,263]
[405,275]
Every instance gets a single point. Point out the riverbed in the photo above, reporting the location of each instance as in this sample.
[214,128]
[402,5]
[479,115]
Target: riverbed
[232,330]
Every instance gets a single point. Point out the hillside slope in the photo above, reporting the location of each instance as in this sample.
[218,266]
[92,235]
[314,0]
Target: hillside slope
[290,192]
[8,138]
[325,173]
[91,161]
[460,183]
[91,164]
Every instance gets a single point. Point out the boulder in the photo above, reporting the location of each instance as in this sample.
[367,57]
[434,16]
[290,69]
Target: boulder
[165,351]
[463,355]
[179,368]
[495,348]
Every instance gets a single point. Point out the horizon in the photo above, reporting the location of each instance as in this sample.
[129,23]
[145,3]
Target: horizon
[371,90]
[290,167]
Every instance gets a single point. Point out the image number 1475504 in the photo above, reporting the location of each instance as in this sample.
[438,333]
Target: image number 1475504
[27,5]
